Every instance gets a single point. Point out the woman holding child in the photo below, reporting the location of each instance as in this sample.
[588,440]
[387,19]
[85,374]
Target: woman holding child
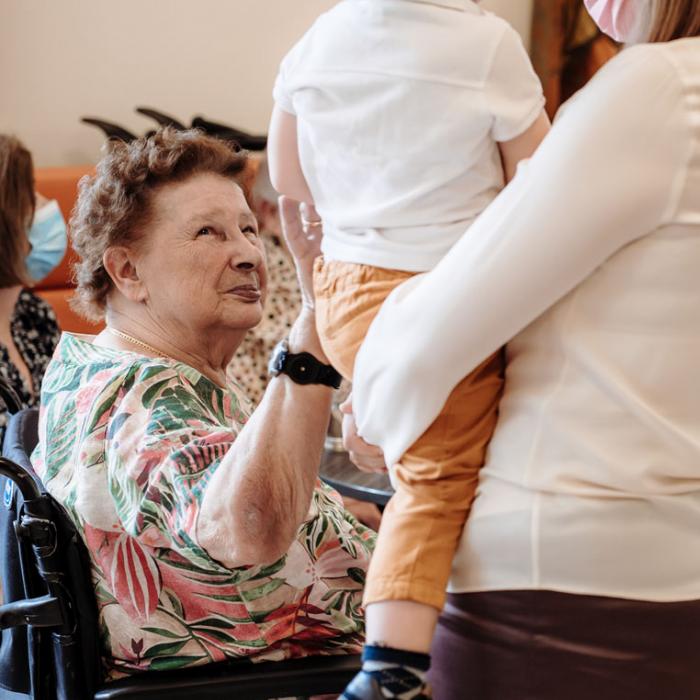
[578,573]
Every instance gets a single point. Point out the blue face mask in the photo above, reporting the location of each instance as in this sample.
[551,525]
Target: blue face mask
[47,234]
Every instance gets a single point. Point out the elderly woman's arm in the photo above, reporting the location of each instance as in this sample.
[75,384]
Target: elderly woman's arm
[260,494]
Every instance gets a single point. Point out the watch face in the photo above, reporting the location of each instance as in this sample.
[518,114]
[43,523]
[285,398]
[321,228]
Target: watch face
[300,369]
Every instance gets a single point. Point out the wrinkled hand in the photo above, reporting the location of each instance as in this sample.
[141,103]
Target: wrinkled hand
[304,242]
[366,457]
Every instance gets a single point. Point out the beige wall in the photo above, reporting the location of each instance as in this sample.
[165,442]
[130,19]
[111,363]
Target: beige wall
[62,59]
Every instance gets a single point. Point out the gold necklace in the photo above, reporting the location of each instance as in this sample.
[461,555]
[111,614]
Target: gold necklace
[140,343]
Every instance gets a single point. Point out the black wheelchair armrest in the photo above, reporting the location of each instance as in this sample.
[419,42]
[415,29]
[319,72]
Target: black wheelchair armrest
[45,611]
[27,483]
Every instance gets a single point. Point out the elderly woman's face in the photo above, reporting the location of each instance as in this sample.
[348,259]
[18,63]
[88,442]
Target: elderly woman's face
[203,262]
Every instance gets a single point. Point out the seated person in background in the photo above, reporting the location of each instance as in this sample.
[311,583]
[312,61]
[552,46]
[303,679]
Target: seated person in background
[210,535]
[32,243]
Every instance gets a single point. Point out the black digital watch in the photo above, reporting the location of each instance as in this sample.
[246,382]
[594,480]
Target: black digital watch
[302,367]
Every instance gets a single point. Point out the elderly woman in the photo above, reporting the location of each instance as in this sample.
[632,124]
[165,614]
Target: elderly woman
[32,243]
[209,532]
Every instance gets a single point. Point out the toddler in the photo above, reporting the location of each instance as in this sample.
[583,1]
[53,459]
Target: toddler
[401,120]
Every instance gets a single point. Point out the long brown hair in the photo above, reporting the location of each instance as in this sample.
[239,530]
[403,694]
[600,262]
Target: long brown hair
[17,204]
[675,19]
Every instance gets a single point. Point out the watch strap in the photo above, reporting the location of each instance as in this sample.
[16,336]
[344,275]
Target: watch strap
[303,367]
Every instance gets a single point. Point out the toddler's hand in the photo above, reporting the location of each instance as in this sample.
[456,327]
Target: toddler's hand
[303,243]
[366,457]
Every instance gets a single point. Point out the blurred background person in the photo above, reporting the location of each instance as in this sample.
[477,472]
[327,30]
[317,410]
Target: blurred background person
[32,243]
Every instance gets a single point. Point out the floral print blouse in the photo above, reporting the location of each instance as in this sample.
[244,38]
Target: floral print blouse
[128,444]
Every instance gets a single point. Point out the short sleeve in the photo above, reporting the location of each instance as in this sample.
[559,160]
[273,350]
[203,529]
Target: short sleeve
[513,91]
[281,93]
[165,439]
[290,68]
[282,90]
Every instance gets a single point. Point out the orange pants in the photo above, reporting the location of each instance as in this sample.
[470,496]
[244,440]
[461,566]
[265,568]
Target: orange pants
[436,478]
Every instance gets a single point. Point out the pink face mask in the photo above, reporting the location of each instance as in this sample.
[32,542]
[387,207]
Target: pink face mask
[617,18]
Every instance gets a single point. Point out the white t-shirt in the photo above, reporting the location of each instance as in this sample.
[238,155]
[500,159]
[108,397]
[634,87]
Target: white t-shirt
[400,105]
[590,262]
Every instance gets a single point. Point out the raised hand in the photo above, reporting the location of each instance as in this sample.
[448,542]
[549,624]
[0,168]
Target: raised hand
[302,230]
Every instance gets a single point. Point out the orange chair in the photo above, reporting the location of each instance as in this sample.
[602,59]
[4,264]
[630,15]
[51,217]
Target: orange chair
[61,184]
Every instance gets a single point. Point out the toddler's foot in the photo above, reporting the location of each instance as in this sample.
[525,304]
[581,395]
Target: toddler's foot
[390,673]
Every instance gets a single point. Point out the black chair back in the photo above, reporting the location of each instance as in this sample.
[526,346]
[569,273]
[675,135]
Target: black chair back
[242,139]
[15,674]
[113,132]
[160,118]
[46,580]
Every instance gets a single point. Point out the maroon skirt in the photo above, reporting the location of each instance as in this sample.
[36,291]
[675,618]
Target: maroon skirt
[542,645]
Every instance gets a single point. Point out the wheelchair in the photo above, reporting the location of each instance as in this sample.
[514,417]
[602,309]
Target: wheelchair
[50,646]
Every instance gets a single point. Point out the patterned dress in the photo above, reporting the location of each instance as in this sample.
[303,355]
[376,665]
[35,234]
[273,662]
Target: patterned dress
[128,444]
[35,334]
